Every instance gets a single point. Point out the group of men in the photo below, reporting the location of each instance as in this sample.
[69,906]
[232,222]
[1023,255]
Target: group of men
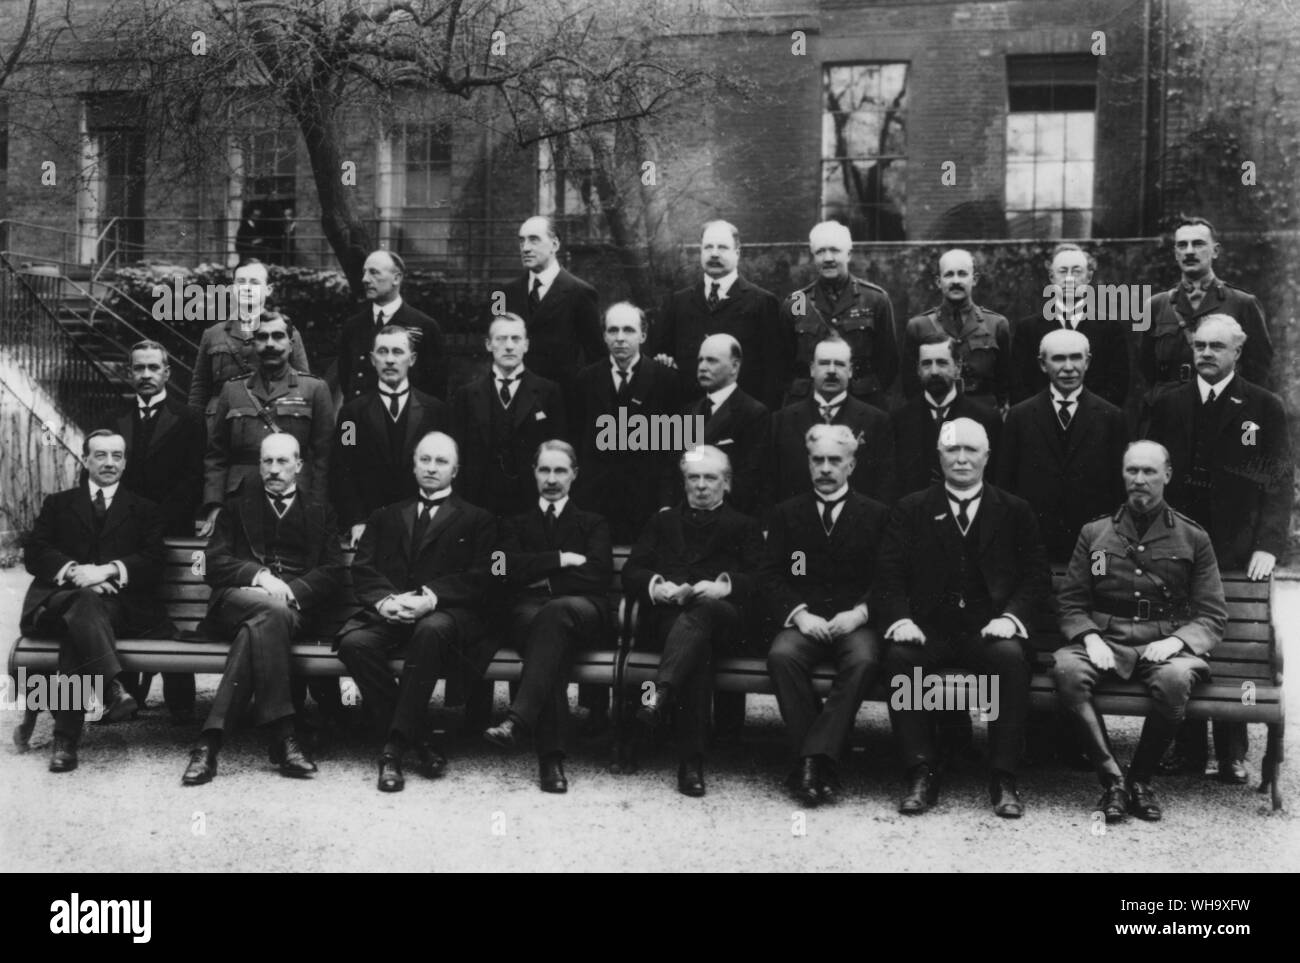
[802,514]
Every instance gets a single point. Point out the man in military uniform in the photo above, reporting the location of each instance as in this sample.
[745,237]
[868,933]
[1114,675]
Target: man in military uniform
[1142,599]
[838,304]
[983,337]
[1165,356]
[274,398]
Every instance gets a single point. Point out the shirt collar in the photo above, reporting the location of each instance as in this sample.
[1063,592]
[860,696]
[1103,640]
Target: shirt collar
[954,496]
[547,276]
[1071,312]
[388,309]
[404,386]
[515,375]
[1203,284]
[1058,397]
[833,403]
[559,504]
[948,399]
[722,394]
[835,495]
[631,368]
[1204,386]
[724,283]
[155,402]
[109,491]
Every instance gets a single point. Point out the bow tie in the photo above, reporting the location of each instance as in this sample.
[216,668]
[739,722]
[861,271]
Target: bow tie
[395,394]
[281,502]
[832,502]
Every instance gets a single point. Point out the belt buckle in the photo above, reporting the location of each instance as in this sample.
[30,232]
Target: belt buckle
[1144,610]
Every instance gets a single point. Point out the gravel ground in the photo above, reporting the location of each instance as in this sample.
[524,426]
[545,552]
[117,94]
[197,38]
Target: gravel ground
[124,809]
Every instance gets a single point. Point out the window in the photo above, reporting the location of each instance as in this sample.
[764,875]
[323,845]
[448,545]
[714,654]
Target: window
[1051,146]
[271,166]
[420,170]
[864,148]
[567,192]
[427,172]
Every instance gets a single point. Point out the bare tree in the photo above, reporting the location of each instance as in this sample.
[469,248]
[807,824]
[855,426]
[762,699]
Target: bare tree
[9,63]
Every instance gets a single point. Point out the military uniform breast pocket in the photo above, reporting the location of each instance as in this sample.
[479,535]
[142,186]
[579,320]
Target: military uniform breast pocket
[1173,566]
[297,408]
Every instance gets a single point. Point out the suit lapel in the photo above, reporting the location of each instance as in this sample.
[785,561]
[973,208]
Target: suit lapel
[1085,422]
[117,512]
[940,513]
[251,516]
[481,400]
[406,514]
[414,419]
[167,420]
[446,512]
[376,416]
[991,514]
[1049,426]
[525,401]
[720,423]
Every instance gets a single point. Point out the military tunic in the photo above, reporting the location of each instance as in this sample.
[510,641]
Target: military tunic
[983,350]
[226,352]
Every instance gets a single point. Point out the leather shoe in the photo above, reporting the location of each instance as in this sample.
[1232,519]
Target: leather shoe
[1114,803]
[690,777]
[651,714]
[551,774]
[1006,801]
[63,755]
[23,731]
[118,704]
[922,791]
[293,760]
[1233,772]
[390,774]
[432,761]
[202,767]
[508,735]
[803,782]
[1142,802]
[828,781]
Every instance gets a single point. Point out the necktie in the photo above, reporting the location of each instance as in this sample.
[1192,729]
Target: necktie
[146,414]
[423,515]
[1064,414]
[713,296]
[828,512]
[623,381]
[963,517]
[828,412]
[280,503]
[708,409]
[101,508]
[1194,297]
[394,401]
[1209,398]
[505,392]
[379,317]
[938,413]
[535,295]
[549,522]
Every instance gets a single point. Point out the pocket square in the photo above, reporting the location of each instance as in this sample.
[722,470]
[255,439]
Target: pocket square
[539,416]
[724,441]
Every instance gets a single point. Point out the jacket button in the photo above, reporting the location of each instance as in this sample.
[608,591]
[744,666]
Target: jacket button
[1137,571]
[1142,548]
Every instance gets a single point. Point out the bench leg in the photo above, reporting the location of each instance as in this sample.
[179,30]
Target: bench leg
[1270,769]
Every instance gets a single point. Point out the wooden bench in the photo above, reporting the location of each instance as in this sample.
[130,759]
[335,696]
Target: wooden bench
[186,596]
[1246,668]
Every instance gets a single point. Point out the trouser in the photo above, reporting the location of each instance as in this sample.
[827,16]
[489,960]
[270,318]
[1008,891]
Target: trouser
[1169,684]
[689,637]
[178,689]
[858,658]
[547,632]
[257,666]
[87,624]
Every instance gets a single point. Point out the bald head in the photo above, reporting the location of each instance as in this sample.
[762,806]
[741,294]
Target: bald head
[280,462]
[436,461]
[1064,356]
[1146,472]
[956,278]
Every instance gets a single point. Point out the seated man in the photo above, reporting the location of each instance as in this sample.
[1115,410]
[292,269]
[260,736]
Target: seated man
[694,567]
[273,561]
[559,559]
[422,571]
[1142,599]
[96,553]
[821,557]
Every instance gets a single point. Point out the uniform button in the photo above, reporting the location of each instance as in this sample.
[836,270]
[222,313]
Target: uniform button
[1137,571]
[1137,595]
[1142,548]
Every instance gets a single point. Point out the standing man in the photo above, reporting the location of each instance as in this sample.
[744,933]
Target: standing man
[1142,599]
[831,404]
[423,574]
[382,277]
[274,398]
[377,434]
[1233,474]
[982,337]
[95,554]
[917,422]
[228,349]
[559,309]
[735,423]
[821,607]
[1166,356]
[1070,308]
[558,560]
[961,575]
[165,442]
[838,304]
[694,569]
[273,563]
[621,485]
[1061,449]
[724,303]
[500,418]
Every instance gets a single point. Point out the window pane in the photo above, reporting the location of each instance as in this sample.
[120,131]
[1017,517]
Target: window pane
[1049,185]
[1020,136]
[1020,186]
[864,144]
[861,135]
[1080,131]
[1078,184]
[1051,136]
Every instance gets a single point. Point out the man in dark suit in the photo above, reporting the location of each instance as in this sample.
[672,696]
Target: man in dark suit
[558,560]
[1061,449]
[165,444]
[423,574]
[733,422]
[95,554]
[831,404]
[377,434]
[500,418]
[693,569]
[1070,307]
[1234,474]
[917,422]
[382,277]
[961,575]
[274,561]
[559,309]
[821,549]
[616,481]
[724,303]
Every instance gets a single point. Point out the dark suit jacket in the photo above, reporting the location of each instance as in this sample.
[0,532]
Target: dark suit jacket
[132,534]
[749,313]
[356,373]
[454,560]
[1252,483]
[742,429]
[538,413]
[921,552]
[530,558]
[366,473]
[874,474]
[916,457]
[734,545]
[620,484]
[171,474]
[1108,371]
[833,573]
[565,334]
[1069,478]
